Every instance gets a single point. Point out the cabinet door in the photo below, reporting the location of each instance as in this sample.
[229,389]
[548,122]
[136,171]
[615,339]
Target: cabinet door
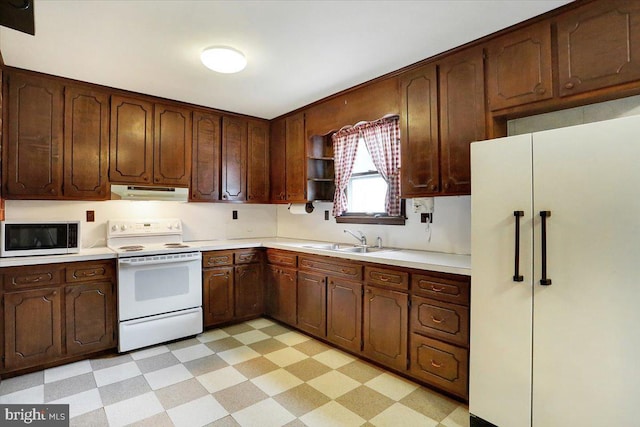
[519,67]
[217,295]
[419,132]
[249,291]
[33,155]
[296,178]
[172,146]
[33,327]
[344,313]
[277,161]
[598,46]
[89,317]
[281,284]
[312,303]
[86,144]
[386,315]
[258,159]
[462,118]
[234,158]
[131,141]
[205,167]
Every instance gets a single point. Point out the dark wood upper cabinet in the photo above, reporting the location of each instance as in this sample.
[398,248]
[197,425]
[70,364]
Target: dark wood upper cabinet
[172,145]
[598,46]
[462,117]
[519,67]
[234,158]
[205,167]
[277,162]
[296,179]
[258,161]
[419,132]
[34,143]
[86,144]
[131,142]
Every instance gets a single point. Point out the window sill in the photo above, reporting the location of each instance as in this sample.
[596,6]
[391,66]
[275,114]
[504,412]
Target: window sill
[371,219]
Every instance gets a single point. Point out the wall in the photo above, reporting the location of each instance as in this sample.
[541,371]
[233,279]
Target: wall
[575,116]
[202,221]
[450,231]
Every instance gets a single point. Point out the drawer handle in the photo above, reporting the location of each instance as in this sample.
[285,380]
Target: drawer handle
[435,364]
[384,278]
[88,274]
[436,320]
[435,288]
[345,271]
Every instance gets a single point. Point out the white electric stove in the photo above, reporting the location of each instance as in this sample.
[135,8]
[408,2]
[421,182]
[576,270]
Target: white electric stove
[159,282]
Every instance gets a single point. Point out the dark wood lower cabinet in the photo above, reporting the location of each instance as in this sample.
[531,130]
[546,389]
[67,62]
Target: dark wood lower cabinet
[33,327]
[217,295]
[312,303]
[443,365]
[386,314]
[282,283]
[89,317]
[248,290]
[71,315]
[344,313]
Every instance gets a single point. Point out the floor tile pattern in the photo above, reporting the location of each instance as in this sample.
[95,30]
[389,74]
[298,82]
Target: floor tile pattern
[257,373]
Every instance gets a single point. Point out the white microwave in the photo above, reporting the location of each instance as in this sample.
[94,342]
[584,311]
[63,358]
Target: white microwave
[26,238]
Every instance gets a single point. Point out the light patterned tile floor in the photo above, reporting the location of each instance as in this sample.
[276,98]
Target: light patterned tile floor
[257,373]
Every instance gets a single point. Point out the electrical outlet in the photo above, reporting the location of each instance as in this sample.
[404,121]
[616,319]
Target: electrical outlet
[234,214]
[426,217]
[326,215]
[91,216]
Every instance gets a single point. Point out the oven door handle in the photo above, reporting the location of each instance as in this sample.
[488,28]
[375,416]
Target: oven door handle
[160,259]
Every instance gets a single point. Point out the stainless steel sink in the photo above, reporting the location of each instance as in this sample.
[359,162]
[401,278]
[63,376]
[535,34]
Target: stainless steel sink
[341,247]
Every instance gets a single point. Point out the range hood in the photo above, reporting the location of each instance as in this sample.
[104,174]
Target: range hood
[139,192]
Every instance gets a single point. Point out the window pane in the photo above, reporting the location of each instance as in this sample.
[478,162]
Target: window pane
[363,162]
[366,194]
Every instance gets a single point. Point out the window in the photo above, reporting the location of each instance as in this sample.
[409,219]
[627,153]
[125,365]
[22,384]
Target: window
[367,190]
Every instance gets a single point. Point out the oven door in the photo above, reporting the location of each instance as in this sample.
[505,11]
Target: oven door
[155,284]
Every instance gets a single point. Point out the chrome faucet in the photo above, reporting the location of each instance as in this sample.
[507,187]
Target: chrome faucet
[361,238]
[379,242]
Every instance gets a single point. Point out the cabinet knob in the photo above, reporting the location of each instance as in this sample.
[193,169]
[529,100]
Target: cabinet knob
[224,196]
[540,91]
[569,85]
[433,187]
[446,185]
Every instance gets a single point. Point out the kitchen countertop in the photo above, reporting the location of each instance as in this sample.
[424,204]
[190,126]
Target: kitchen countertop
[88,254]
[422,260]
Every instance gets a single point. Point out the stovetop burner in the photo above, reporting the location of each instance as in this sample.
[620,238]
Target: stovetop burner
[131,248]
[175,245]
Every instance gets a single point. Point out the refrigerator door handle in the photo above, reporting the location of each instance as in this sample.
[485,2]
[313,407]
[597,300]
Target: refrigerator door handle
[544,281]
[516,270]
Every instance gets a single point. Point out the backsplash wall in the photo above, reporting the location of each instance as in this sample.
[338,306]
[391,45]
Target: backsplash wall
[201,221]
[450,230]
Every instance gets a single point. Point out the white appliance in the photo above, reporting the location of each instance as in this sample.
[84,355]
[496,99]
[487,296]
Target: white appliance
[159,282]
[558,346]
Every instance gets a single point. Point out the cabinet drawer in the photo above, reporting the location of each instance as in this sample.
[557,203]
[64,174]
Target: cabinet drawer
[217,258]
[443,365]
[442,287]
[248,256]
[331,267]
[85,271]
[32,276]
[282,258]
[386,277]
[441,320]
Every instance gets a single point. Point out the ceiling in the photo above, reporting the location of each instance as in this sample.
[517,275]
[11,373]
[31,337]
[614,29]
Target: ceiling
[297,51]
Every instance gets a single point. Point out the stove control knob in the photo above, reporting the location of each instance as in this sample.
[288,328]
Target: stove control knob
[177,226]
[114,228]
[123,227]
[169,226]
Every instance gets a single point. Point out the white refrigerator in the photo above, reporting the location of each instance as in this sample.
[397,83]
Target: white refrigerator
[555,304]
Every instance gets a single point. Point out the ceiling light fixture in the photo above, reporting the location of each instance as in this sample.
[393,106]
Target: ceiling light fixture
[223,59]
